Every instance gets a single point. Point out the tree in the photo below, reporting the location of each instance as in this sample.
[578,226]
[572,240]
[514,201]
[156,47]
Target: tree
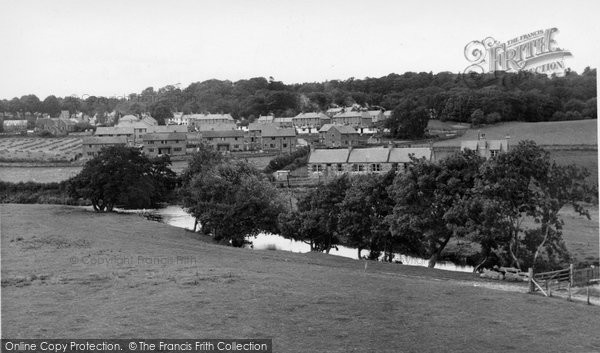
[430,200]
[408,120]
[51,106]
[122,176]
[233,201]
[363,211]
[161,112]
[477,117]
[524,183]
[316,220]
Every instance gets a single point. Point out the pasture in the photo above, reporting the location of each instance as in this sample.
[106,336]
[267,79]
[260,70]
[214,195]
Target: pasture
[67,272]
[35,149]
[548,133]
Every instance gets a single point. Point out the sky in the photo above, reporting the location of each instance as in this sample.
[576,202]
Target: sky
[113,48]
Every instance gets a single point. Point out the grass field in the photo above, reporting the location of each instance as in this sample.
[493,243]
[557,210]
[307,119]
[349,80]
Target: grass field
[40,149]
[67,272]
[563,133]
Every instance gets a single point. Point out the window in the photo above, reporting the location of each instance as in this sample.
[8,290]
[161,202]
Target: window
[177,149]
[150,142]
[361,168]
[355,167]
[494,153]
[340,168]
[273,138]
[236,138]
[317,168]
[237,147]
[272,145]
[375,167]
[163,142]
[284,145]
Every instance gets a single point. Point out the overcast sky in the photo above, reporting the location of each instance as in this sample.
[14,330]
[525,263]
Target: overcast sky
[113,48]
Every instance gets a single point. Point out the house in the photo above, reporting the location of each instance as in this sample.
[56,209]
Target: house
[55,126]
[268,119]
[128,119]
[279,140]
[15,126]
[64,115]
[339,135]
[199,121]
[164,143]
[149,120]
[336,110]
[485,148]
[116,131]
[376,116]
[325,163]
[225,140]
[92,145]
[216,127]
[311,119]
[283,122]
[356,119]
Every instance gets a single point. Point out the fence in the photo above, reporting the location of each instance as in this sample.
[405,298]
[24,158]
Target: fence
[567,278]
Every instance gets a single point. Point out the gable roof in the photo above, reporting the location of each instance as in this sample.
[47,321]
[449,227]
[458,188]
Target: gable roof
[272,131]
[350,114]
[312,115]
[265,119]
[402,155]
[114,130]
[165,136]
[104,140]
[369,155]
[328,156]
[222,133]
[128,118]
[343,129]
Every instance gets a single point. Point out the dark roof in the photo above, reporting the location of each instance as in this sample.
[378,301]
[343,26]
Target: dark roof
[222,133]
[272,131]
[104,140]
[343,129]
[165,136]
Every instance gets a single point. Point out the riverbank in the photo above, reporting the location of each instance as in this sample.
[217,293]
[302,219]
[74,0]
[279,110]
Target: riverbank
[70,272]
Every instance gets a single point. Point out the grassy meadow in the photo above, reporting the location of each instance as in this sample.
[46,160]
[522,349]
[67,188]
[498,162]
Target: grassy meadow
[68,272]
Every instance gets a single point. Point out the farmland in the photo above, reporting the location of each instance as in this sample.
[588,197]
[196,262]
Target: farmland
[67,272]
[559,133]
[34,149]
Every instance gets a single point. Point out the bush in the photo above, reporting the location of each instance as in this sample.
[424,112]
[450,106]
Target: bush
[288,161]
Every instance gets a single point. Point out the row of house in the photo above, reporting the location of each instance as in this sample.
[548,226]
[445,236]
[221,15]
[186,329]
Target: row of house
[325,163]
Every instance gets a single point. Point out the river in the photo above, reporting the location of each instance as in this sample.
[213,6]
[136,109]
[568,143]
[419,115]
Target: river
[177,217]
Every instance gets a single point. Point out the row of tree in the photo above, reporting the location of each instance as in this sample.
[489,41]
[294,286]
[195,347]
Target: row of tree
[463,197]
[501,97]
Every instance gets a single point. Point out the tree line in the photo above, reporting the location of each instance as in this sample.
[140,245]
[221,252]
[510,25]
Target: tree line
[500,96]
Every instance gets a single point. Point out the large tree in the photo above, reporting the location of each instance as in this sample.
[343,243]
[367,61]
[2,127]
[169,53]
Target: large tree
[363,211]
[123,177]
[409,120]
[430,200]
[523,185]
[232,201]
[316,220]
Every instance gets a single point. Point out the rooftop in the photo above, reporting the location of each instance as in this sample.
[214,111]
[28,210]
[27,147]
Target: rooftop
[343,129]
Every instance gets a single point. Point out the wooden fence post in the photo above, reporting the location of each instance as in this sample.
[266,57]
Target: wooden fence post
[531,285]
[571,275]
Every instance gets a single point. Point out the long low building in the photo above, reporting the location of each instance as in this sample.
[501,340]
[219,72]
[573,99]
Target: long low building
[92,145]
[324,163]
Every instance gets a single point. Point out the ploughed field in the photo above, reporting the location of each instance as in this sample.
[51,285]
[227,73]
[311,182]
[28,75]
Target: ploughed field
[35,149]
[67,272]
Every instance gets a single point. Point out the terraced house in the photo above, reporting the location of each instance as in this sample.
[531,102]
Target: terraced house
[327,163]
[92,145]
[356,119]
[225,140]
[202,121]
[333,135]
[311,119]
[278,140]
[164,143]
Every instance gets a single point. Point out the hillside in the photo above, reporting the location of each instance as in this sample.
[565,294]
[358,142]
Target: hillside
[67,272]
[556,133]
